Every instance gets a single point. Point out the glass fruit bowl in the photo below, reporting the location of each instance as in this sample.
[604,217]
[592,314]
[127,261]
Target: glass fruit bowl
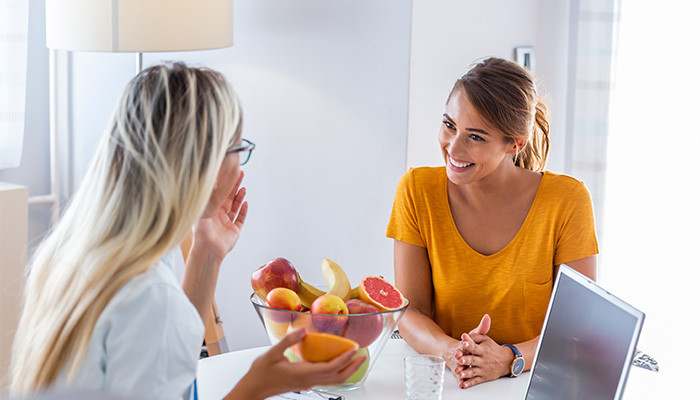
[369,330]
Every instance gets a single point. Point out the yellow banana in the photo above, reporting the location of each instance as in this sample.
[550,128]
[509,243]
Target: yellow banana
[336,279]
[353,294]
[308,293]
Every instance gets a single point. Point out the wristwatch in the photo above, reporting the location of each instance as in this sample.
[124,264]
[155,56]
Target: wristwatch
[518,365]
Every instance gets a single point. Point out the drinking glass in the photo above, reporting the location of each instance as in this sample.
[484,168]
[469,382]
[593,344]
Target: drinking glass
[424,375]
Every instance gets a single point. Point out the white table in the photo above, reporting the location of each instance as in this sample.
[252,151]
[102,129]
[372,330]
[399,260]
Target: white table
[217,375]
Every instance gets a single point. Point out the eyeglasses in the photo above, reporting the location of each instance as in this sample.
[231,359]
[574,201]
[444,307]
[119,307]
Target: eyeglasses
[246,149]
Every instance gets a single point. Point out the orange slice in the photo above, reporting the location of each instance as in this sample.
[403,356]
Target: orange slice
[380,293]
[317,347]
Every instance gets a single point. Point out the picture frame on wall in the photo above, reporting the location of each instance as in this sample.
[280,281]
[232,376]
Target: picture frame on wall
[525,56]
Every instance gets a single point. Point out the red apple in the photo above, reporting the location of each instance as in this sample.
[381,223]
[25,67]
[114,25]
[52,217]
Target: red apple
[283,299]
[364,329]
[329,304]
[276,273]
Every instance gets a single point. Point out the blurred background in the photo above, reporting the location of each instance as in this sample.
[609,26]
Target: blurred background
[341,97]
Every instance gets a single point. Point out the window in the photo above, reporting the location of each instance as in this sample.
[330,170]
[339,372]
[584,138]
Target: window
[649,254]
[13,77]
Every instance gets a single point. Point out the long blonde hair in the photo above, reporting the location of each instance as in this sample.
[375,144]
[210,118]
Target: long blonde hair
[504,94]
[149,181]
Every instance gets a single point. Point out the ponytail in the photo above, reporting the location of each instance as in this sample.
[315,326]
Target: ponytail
[534,155]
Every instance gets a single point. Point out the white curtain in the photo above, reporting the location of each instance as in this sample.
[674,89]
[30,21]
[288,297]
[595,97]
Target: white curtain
[593,34]
[13,78]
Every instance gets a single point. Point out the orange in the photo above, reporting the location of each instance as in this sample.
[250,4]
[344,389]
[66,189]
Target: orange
[317,347]
[380,293]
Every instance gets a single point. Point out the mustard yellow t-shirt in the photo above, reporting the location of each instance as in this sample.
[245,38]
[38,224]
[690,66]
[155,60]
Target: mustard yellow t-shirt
[514,285]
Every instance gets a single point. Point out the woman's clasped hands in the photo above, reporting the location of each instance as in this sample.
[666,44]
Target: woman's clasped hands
[478,358]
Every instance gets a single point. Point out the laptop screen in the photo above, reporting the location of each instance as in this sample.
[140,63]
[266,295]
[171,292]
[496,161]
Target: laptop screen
[587,343]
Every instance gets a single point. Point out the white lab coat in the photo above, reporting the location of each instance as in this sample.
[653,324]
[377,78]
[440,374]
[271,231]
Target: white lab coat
[147,341]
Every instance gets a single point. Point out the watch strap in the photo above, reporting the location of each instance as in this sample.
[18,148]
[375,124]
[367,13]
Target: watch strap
[515,350]
[518,360]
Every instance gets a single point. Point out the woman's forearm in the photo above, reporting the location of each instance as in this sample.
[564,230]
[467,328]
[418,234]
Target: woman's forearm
[425,336]
[199,279]
[528,349]
[244,390]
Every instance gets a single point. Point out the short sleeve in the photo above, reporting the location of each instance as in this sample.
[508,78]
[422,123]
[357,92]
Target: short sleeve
[152,343]
[577,238]
[403,223]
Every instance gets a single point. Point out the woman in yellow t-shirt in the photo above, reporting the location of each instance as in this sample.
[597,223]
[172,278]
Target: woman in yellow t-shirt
[486,233]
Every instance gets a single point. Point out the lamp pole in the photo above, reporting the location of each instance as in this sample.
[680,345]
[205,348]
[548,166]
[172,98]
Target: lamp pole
[139,62]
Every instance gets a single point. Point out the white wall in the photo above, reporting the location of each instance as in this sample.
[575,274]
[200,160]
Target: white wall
[325,91]
[448,36]
[324,88]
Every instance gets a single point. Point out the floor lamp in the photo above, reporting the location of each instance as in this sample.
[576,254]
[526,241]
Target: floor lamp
[135,26]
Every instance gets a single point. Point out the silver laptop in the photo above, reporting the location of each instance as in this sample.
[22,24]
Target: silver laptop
[587,343]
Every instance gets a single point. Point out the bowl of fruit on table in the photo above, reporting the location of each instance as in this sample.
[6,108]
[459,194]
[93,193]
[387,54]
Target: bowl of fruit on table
[336,317]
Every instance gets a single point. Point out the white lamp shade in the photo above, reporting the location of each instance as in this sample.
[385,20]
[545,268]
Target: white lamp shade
[139,25]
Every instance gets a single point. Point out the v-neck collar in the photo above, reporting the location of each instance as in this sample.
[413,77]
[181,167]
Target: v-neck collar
[515,238]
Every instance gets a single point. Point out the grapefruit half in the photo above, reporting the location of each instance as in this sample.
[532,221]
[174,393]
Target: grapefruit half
[380,293]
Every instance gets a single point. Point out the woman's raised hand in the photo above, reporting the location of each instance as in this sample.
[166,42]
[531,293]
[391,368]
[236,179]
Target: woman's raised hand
[222,222]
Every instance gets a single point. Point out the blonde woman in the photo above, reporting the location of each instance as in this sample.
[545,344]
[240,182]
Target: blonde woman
[103,310]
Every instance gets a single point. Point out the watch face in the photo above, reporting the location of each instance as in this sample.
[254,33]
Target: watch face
[518,366]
